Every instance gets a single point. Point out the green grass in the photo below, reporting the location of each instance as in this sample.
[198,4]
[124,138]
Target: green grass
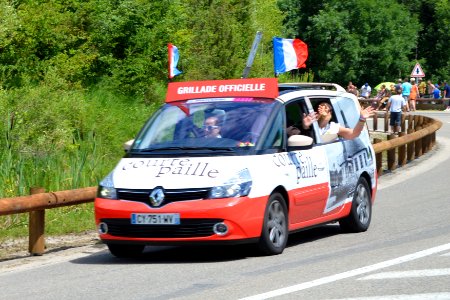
[62,141]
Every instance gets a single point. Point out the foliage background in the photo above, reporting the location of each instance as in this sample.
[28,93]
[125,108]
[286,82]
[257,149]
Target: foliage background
[80,77]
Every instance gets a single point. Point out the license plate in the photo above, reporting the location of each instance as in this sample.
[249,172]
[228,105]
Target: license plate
[155,219]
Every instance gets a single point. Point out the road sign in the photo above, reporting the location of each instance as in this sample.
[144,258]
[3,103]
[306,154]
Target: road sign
[417,71]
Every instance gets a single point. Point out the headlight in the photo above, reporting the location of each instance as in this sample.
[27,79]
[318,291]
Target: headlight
[237,186]
[106,188]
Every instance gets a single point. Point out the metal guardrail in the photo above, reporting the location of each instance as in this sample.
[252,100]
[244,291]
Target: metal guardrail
[418,136]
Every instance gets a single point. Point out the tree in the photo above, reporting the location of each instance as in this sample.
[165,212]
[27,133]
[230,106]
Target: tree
[432,47]
[359,40]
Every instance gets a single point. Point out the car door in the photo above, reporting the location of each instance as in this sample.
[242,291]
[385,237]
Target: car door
[357,153]
[345,157]
[311,188]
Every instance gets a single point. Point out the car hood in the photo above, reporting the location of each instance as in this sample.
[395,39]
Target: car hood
[185,172]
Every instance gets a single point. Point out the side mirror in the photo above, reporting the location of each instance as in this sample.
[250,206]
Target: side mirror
[127,145]
[300,140]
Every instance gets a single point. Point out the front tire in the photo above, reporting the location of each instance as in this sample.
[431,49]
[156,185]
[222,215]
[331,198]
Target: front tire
[274,234]
[125,251]
[361,212]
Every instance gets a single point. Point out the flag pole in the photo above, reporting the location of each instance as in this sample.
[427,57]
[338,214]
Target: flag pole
[169,46]
[251,56]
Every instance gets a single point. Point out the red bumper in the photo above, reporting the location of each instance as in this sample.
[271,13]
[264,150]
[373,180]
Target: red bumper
[243,216]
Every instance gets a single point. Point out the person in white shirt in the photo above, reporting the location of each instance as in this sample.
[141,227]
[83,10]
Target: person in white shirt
[366,90]
[396,104]
[326,127]
[323,118]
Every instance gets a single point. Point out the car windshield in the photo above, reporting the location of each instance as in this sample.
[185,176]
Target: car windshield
[224,124]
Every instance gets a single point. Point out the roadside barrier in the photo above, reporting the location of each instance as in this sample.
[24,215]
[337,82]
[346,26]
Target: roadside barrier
[417,136]
[421,103]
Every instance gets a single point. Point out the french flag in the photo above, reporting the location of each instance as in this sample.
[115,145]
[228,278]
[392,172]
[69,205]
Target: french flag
[173,61]
[289,54]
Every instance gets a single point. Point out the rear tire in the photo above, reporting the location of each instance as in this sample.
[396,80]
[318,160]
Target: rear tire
[275,233]
[125,251]
[361,212]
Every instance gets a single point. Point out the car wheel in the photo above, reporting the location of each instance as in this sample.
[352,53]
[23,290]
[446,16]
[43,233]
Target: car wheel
[122,251]
[275,227]
[361,212]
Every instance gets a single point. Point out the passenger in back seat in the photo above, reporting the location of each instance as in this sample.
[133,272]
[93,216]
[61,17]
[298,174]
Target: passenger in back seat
[326,127]
[305,127]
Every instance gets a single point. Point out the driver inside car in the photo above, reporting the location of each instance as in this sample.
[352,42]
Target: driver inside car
[211,127]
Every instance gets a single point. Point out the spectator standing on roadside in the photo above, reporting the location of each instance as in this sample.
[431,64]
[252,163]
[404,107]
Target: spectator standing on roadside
[447,94]
[436,92]
[382,96]
[366,90]
[392,89]
[413,95]
[396,104]
[422,87]
[406,90]
[397,86]
[352,89]
[430,88]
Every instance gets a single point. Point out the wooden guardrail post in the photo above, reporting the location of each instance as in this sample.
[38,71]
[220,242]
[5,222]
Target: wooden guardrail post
[418,145]
[410,147]
[410,122]
[36,228]
[379,158]
[402,123]
[416,122]
[420,121]
[402,152]
[391,154]
[426,139]
[375,122]
[386,121]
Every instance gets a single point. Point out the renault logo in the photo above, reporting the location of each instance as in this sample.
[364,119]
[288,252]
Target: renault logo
[157,196]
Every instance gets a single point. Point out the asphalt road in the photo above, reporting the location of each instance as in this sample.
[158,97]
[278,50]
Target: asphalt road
[404,255]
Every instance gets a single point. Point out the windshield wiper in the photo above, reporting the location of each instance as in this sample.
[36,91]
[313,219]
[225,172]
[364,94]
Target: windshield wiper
[184,148]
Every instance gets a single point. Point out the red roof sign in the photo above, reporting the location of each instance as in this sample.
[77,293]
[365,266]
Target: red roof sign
[254,87]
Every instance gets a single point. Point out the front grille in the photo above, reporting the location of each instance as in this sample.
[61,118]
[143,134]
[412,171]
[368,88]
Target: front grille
[188,228]
[169,195]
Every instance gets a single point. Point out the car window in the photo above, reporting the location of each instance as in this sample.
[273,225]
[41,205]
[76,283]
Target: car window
[275,135]
[200,123]
[346,111]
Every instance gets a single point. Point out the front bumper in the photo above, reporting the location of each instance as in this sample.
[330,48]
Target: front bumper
[243,216]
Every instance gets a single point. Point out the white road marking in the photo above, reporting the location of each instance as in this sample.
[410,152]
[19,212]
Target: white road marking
[446,254]
[428,296]
[348,274]
[408,274]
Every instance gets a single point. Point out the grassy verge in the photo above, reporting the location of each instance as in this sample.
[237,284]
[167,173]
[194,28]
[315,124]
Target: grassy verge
[61,140]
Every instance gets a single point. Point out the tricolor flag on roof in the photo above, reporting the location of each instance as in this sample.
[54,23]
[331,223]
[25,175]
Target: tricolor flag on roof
[289,54]
[173,61]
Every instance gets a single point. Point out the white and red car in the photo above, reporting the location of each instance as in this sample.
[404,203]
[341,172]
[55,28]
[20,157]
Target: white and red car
[176,185]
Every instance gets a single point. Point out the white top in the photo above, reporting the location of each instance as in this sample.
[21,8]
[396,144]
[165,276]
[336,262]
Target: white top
[366,90]
[331,128]
[397,103]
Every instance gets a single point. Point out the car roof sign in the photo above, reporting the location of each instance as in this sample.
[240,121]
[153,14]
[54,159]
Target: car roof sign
[253,87]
